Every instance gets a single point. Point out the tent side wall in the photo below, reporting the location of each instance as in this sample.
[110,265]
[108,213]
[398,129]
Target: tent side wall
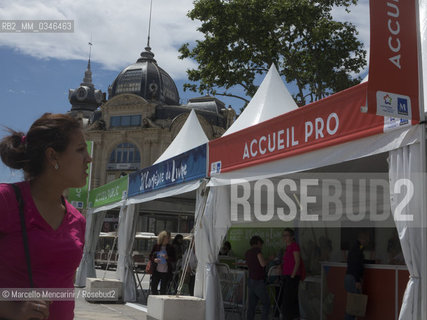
[216,220]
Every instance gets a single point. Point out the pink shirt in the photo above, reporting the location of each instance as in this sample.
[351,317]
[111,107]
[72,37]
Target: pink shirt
[55,254]
[289,259]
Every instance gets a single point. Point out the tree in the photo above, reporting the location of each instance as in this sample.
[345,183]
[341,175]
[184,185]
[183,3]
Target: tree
[242,38]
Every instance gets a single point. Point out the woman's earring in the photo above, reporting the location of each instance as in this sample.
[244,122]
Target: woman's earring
[56,166]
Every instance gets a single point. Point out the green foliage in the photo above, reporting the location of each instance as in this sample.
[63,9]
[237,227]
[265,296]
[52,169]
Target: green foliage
[242,38]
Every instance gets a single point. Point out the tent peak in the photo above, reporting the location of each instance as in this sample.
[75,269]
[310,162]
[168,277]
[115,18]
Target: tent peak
[271,100]
[190,136]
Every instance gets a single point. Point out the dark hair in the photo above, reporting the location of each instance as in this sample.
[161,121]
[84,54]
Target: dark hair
[177,237]
[255,240]
[290,231]
[27,152]
[227,244]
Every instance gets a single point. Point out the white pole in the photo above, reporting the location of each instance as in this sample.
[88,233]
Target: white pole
[423,274]
[422,136]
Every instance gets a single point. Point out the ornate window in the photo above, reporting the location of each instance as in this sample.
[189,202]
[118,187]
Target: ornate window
[125,156]
[130,81]
[125,121]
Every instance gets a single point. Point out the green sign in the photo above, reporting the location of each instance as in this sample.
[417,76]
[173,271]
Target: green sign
[109,193]
[78,196]
[239,239]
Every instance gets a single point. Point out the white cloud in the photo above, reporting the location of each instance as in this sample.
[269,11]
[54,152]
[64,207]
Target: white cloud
[119,31]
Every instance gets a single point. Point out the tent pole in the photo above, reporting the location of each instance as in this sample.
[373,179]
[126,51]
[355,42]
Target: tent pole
[422,101]
[424,224]
[423,160]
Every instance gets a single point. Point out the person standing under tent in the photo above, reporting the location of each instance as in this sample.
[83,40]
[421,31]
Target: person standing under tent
[257,289]
[192,266]
[178,245]
[354,273]
[292,272]
[54,157]
[163,256]
[226,249]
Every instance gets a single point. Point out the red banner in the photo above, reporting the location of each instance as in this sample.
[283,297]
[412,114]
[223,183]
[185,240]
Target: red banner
[393,64]
[330,121]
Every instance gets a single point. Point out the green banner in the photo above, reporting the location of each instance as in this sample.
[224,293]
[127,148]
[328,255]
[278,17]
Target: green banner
[109,193]
[239,239]
[78,196]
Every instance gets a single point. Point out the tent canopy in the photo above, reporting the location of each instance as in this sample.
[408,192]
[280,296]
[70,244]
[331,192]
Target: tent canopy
[190,136]
[271,100]
[304,136]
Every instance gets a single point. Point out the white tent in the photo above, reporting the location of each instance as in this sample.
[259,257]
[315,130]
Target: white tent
[404,160]
[271,100]
[191,140]
[87,264]
[365,79]
[190,136]
[107,197]
[279,148]
[266,106]
[405,144]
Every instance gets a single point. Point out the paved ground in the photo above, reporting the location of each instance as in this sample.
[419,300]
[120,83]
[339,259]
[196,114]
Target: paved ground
[113,311]
[96,311]
[93,311]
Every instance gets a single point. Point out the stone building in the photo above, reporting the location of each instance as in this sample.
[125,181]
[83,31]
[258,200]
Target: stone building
[140,118]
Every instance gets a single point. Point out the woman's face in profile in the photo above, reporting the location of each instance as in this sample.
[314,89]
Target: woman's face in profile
[73,162]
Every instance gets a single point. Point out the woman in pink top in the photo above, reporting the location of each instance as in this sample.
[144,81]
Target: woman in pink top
[54,157]
[292,274]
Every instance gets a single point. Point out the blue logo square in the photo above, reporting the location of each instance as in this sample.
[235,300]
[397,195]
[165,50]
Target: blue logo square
[402,106]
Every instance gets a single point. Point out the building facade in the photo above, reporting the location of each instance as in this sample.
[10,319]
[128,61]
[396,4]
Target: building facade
[137,122]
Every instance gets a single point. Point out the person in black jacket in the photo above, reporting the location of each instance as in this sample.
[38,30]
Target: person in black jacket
[178,245]
[355,260]
[163,255]
[257,289]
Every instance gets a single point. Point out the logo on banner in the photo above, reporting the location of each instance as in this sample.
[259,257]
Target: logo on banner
[402,106]
[387,99]
[392,104]
[391,123]
[215,167]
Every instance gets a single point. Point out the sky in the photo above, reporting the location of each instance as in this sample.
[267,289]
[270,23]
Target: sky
[38,69]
